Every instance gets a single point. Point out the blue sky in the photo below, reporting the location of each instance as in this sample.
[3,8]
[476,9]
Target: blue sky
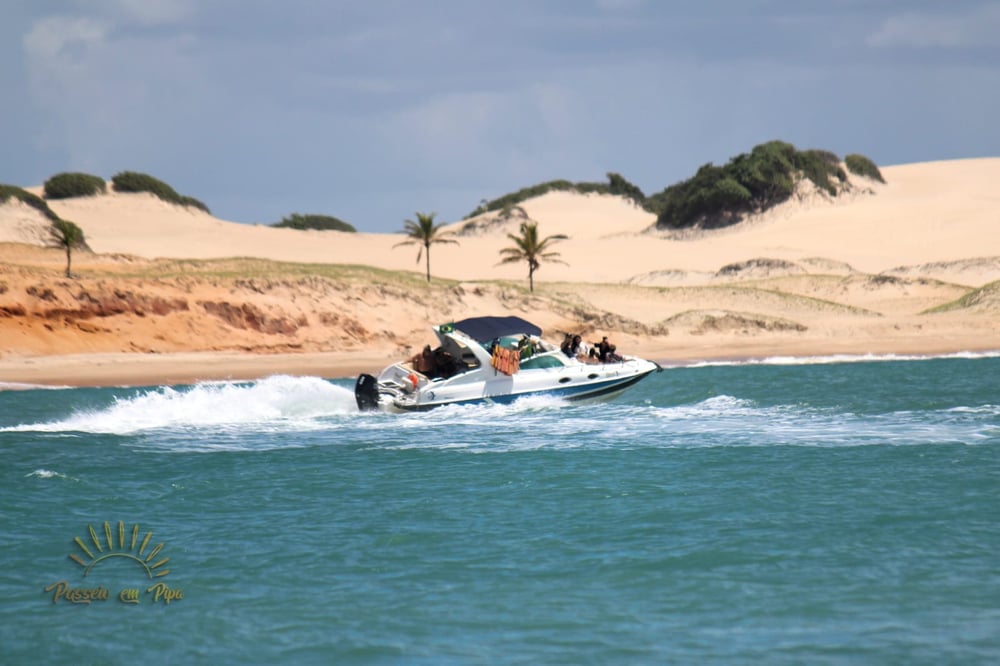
[371,111]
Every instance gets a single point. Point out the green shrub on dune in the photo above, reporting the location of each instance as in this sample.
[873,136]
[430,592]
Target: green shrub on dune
[320,222]
[133,181]
[14,192]
[514,198]
[862,166]
[819,166]
[616,185]
[194,203]
[717,196]
[68,185]
[62,233]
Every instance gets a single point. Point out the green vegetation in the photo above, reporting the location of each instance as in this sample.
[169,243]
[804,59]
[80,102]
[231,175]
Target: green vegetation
[276,271]
[194,203]
[862,166]
[528,247]
[321,222]
[132,181]
[616,185]
[68,185]
[63,233]
[986,297]
[717,196]
[67,235]
[425,233]
[33,200]
[819,166]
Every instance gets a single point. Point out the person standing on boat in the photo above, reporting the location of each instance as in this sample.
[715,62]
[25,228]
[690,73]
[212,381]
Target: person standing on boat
[601,349]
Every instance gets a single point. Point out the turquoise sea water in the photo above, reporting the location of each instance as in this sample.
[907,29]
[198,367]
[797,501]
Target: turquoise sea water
[810,513]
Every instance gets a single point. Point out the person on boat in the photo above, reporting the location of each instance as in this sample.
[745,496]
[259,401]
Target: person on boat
[444,363]
[574,347]
[526,347]
[567,345]
[601,349]
[424,362]
[613,356]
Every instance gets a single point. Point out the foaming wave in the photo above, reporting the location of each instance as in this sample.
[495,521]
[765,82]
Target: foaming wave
[989,410]
[21,386]
[278,399]
[719,421]
[47,474]
[481,414]
[842,358]
[728,421]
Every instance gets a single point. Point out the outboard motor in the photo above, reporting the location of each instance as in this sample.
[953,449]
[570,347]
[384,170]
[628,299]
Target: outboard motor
[366,393]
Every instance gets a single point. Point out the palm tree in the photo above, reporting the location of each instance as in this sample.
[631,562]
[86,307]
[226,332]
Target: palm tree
[67,235]
[529,248]
[424,232]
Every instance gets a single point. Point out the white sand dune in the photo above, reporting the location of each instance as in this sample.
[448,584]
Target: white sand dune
[926,214]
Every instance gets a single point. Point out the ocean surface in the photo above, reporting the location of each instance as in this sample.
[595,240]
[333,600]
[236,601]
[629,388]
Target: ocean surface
[790,512]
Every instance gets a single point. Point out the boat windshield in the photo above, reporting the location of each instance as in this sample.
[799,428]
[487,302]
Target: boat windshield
[547,360]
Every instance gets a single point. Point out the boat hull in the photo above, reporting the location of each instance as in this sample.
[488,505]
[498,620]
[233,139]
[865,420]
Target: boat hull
[586,384]
[606,391]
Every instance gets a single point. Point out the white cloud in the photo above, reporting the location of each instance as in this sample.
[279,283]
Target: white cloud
[141,12]
[977,28]
[97,87]
[59,51]
[51,39]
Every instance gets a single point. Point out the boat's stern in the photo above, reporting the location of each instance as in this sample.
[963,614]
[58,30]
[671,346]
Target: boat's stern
[366,393]
[395,389]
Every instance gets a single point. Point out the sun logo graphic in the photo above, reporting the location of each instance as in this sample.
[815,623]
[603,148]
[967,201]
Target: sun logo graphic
[112,548]
[118,542]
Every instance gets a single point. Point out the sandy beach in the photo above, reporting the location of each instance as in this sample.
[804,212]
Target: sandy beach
[174,295]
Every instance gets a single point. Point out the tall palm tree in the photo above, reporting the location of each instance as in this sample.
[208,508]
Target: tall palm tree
[528,247]
[424,232]
[66,235]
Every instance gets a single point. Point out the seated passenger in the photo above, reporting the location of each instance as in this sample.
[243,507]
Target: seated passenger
[566,346]
[444,363]
[526,347]
[424,362]
[573,349]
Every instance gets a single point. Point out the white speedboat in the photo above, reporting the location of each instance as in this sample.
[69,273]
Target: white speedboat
[494,360]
